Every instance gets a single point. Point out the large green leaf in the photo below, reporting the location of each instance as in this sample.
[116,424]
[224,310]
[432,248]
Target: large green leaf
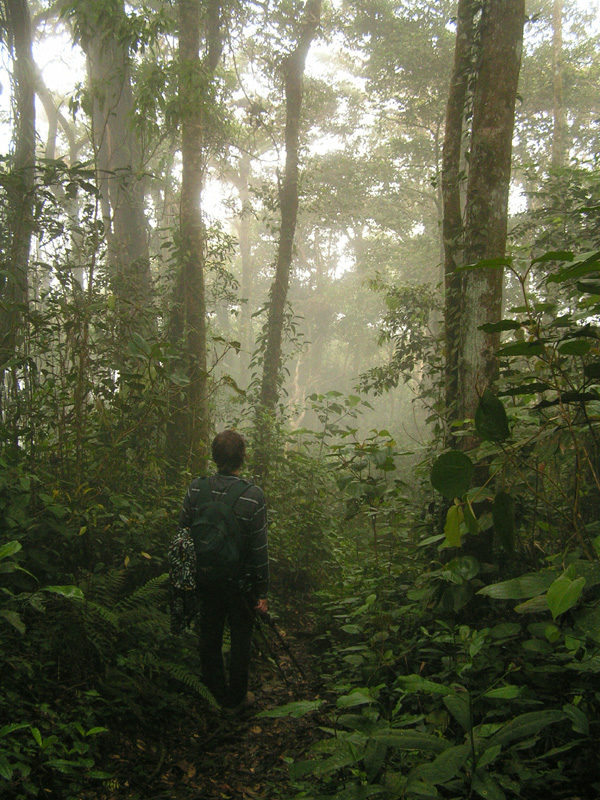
[574,347]
[452,473]
[592,371]
[415,683]
[527,349]
[358,697]
[525,725]
[445,766]
[14,619]
[491,422]
[530,585]
[452,526]
[486,786]
[499,327]
[554,255]
[585,264]
[459,707]
[411,740]
[9,549]
[508,692]
[71,592]
[563,594]
[462,569]
[587,622]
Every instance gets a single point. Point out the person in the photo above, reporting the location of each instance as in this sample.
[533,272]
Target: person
[233,602]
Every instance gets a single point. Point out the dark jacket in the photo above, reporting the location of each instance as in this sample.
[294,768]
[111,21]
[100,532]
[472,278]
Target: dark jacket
[251,511]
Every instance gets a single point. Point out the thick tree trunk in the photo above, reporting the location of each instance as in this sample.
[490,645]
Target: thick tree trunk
[502,24]
[293,69]
[452,182]
[120,166]
[117,154]
[20,188]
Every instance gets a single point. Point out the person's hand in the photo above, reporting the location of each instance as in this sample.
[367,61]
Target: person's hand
[261,605]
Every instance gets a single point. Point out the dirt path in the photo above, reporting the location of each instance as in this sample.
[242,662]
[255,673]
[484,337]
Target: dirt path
[234,758]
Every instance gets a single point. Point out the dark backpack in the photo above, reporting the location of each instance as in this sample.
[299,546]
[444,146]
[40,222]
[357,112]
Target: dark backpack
[217,536]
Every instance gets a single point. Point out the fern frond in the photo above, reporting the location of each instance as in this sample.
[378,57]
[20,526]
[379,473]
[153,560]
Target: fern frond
[100,612]
[153,592]
[106,589]
[190,679]
[147,623]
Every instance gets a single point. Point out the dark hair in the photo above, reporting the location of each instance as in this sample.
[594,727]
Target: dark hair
[228,451]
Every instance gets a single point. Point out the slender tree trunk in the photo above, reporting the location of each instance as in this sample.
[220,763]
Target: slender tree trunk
[558,136]
[293,69]
[502,24]
[452,225]
[20,187]
[241,181]
[194,74]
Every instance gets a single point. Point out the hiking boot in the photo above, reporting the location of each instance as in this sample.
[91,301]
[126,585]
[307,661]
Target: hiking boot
[240,708]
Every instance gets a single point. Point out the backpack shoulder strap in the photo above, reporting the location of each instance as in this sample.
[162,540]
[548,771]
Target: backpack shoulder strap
[203,492]
[234,492]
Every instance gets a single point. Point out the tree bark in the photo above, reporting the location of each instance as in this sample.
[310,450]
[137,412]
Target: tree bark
[195,73]
[20,188]
[501,31]
[118,154]
[293,71]
[452,183]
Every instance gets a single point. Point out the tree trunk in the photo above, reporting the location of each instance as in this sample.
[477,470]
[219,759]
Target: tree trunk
[194,74]
[243,224]
[293,70]
[452,224]
[502,24]
[20,188]
[118,155]
[558,135]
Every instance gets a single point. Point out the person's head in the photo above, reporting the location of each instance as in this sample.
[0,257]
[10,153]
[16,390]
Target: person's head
[228,451]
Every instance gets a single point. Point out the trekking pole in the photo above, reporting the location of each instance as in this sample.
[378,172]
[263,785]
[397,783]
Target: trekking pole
[271,623]
[271,651]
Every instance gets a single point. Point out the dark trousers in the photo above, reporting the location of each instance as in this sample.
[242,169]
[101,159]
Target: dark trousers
[226,604]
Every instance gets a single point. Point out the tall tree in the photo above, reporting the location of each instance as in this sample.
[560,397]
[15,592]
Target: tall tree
[20,186]
[500,31]
[293,65]
[452,185]
[104,32]
[196,74]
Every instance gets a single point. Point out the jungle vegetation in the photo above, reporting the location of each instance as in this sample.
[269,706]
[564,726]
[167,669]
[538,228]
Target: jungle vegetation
[366,234]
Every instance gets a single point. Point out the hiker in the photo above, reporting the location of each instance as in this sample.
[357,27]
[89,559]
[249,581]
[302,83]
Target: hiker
[232,600]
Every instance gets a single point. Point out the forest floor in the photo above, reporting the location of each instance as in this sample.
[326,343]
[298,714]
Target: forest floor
[215,756]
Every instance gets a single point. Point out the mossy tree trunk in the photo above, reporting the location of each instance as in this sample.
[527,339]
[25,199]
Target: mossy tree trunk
[478,232]
[486,219]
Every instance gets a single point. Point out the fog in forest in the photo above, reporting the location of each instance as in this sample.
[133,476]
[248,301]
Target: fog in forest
[365,234]
[369,222]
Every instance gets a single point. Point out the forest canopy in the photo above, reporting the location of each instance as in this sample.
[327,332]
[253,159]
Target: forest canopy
[365,234]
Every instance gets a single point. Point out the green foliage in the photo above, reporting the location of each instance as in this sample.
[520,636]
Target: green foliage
[545,409]
[452,473]
[450,709]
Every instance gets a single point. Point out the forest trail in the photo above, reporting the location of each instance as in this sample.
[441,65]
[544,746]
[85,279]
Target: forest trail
[232,757]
